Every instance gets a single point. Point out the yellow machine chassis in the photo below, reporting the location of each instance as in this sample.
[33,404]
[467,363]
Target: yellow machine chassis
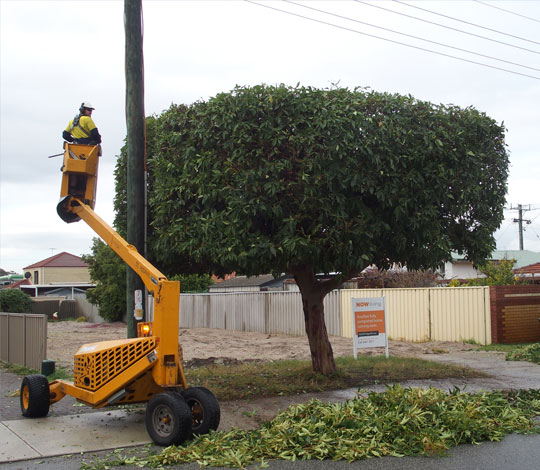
[131,370]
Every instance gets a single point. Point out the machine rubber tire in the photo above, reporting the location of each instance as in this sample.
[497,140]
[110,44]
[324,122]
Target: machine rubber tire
[204,409]
[35,396]
[168,419]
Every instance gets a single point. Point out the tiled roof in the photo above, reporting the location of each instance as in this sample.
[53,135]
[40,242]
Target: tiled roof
[61,260]
[531,269]
[244,281]
[18,284]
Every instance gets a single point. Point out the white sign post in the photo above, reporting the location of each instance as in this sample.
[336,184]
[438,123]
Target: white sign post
[369,324]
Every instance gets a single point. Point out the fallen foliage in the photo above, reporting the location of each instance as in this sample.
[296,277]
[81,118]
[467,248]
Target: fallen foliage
[530,353]
[401,421]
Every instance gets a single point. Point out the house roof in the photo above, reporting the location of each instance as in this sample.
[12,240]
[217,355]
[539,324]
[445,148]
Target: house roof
[60,260]
[18,284]
[522,257]
[530,269]
[244,281]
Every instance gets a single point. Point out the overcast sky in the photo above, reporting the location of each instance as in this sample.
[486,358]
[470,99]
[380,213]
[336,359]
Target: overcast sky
[55,54]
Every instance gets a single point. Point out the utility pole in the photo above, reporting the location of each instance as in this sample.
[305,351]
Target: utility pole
[520,221]
[136,188]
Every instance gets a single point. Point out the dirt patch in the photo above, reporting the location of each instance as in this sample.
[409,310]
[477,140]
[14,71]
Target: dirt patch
[203,346]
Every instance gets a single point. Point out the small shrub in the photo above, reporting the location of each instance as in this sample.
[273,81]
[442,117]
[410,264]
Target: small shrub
[15,301]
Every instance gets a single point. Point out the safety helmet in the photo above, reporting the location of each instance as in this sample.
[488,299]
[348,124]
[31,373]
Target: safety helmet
[86,105]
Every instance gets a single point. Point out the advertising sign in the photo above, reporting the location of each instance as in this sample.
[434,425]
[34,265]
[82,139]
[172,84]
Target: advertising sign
[369,324]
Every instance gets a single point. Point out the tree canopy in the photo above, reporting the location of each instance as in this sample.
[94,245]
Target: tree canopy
[276,178]
[305,181]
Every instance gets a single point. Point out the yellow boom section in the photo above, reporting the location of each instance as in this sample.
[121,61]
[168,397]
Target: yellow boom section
[77,199]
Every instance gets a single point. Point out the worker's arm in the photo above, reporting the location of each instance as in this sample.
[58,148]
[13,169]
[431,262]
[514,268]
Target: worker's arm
[68,137]
[94,134]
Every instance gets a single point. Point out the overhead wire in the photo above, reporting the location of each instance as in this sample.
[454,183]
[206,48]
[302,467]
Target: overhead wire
[504,231]
[411,35]
[445,26]
[507,11]
[465,22]
[391,40]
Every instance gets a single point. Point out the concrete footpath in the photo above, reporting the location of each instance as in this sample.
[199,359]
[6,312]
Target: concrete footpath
[26,439]
[46,437]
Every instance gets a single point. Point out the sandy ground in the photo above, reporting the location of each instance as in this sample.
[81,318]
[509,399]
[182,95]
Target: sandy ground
[65,338]
[207,346]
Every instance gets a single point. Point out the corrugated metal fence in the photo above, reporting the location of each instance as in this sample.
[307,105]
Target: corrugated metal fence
[429,314]
[23,339]
[263,312]
[423,314]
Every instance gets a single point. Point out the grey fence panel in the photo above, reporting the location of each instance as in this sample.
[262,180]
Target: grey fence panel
[285,314]
[263,312]
[332,313]
[4,336]
[90,311]
[186,311]
[23,339]
[16,340]
[35,341]
[254,316]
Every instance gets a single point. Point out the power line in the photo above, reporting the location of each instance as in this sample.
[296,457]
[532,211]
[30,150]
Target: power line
[507,11]
[391,40]
[410,35]
[465,22]
[535,232]
[504,231]
[445,26]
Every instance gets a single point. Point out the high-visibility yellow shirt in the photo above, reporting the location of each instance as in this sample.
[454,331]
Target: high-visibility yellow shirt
[83,129]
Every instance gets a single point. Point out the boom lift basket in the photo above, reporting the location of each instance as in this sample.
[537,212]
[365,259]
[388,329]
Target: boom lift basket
[79,177]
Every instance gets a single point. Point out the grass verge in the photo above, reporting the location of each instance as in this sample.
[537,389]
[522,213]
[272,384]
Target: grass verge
[264,379]
[59,373]
[250,380]
[529,352]
[506,348]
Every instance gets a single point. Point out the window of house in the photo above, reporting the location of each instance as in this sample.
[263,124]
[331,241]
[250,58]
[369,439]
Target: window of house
[36,277]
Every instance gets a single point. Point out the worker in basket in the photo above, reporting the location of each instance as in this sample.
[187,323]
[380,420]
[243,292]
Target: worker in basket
[81,129]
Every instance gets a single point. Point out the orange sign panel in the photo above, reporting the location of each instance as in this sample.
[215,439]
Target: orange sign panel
[369,323]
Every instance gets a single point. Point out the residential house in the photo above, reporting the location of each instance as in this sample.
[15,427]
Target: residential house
[460,268]
[60,268]
[261,283]
[530,273]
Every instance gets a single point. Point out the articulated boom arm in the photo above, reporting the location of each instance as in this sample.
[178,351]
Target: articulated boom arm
[146,271]
[77,201]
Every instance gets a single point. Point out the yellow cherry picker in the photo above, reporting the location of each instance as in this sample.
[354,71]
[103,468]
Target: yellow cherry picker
[136,370]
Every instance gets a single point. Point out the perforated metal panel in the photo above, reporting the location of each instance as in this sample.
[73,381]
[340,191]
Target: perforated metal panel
[98,363]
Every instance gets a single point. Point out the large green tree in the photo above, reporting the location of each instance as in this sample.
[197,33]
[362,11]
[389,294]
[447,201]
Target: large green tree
[308,181]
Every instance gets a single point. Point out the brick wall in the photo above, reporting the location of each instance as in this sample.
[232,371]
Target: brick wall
[515,311]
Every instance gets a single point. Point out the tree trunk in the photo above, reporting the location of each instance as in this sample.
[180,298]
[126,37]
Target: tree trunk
[313,293]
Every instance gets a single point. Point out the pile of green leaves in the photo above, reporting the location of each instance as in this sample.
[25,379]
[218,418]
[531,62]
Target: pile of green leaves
[398,422]
[530,353]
